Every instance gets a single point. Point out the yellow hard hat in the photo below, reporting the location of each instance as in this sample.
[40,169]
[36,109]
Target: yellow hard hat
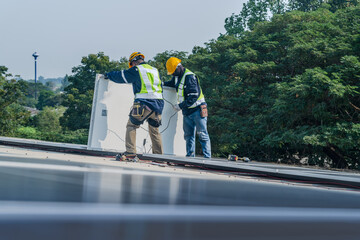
[135,56]
[172,64]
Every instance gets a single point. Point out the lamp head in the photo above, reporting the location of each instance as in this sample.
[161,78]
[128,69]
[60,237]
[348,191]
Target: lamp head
[35,55]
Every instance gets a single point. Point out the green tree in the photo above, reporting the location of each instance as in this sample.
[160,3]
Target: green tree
[287,90]
[252,12]
[48,98]
[47,121]
[64,83]
[305,5]
[28,89]
[255,11]
[312,5]
[11,114]
[341,4]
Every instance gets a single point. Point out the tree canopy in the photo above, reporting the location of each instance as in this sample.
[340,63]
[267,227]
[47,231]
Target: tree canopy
[288,89]
[255,11]
[11,114]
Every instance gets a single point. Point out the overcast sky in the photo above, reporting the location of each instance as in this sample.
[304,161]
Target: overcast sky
[63,31]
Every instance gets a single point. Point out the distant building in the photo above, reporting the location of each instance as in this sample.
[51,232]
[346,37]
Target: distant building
[33,111]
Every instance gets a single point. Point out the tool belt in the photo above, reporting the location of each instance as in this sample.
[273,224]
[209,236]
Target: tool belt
[137,115]
[138,110]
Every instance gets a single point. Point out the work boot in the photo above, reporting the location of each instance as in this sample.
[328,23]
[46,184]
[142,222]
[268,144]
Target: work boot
[125,156]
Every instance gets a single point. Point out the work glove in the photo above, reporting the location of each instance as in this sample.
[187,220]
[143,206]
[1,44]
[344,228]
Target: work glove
[176,107]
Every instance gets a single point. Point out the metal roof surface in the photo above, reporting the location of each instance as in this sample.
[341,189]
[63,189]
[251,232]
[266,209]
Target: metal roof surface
[61,195]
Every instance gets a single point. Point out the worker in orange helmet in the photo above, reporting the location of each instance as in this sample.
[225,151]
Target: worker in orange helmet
[191,101]
[148,103]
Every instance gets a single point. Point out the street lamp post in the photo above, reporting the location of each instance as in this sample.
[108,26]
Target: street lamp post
[35,55]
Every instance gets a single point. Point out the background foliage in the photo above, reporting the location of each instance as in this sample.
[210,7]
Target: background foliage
[12,114]
[287,90]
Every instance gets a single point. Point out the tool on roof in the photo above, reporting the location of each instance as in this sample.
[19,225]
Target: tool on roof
[235,158]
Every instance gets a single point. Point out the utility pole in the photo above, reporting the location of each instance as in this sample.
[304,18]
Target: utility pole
[35,55]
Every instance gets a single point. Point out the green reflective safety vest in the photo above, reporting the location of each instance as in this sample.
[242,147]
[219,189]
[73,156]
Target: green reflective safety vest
[150,83]
[180,93]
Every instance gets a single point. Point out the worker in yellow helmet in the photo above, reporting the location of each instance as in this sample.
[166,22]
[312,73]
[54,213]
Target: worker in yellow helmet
[148,103]
[191,101]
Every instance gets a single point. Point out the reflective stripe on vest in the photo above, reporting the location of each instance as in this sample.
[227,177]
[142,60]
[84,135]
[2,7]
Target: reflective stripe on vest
[150,83]
[180,93]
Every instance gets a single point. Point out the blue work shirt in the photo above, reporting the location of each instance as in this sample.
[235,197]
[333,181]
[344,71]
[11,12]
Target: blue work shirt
[191,92]
[132,76]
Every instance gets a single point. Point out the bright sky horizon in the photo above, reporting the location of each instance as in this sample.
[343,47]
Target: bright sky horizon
[62,32]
